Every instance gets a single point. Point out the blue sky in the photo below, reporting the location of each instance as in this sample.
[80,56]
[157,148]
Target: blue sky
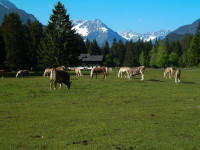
[120,15]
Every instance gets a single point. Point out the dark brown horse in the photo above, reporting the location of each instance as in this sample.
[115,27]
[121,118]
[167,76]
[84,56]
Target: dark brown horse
[96,70]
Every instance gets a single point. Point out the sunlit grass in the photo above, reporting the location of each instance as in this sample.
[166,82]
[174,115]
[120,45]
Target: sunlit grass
[101,114]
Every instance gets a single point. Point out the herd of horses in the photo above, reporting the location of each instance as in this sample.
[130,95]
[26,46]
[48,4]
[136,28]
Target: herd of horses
[60,75]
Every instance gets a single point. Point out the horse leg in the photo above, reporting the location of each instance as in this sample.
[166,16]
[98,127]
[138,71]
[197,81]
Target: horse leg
[55,84]
[51,82]
[60,85]
[142,77]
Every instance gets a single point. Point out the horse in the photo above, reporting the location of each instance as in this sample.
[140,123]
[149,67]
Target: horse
[123,70]
[177,75]
[78,72]
[136,71]
[2,73]
[168,70]
[59,76]
[46,72]
[96,70]
[62,68]
[22,73]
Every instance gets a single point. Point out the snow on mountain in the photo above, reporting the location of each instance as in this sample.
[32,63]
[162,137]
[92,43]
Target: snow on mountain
[96,30]
[129,35]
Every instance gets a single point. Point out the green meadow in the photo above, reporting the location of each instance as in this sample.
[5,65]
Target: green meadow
[95,114]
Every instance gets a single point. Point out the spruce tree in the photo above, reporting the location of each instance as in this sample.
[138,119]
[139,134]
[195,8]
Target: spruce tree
[33,35]
[12,34]
[162,57]
[121,52]
[106,48]
[2,51]
[193,54]
[129,56]
[60,43]
[94,48]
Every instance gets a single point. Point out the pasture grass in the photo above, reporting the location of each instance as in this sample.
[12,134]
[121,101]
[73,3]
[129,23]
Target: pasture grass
[101,114]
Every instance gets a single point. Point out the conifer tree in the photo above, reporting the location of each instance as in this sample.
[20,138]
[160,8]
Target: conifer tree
[121,52]
[13,38]
[2,51]
[94,48]
[33,35]
[193,54]
[129,56]
[162,56]
[87,44]
[105,48]
[142,59]
[60,44]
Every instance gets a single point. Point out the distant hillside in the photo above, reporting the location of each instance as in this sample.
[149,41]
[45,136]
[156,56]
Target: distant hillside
[7,7]
[179,33]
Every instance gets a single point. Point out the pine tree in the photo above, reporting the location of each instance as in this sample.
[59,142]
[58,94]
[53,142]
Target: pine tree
[106,48]
[94,48]
[2,51]
[87,44]
[129,58]
[142,59]
[13,38]
[33,35]
[162,56]
[193,54]
[60,44]
[121,52]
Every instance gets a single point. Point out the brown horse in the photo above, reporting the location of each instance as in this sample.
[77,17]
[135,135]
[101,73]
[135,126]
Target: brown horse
[22,73]
[2,73]
[177,75]
[136,71]
[96,70]
[168,70]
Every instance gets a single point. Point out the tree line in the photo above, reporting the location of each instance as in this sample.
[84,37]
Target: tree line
[31,46]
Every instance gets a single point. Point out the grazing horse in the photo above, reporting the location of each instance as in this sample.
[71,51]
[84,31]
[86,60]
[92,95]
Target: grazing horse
[123,70]
[96,70]
[177,75]
[2,73]
[22,73]
[78,72]
[168,70]
[59,76]
[46,72]
[136,71]
[62,68]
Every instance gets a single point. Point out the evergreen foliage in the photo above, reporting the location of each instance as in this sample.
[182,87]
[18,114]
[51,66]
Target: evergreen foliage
[12,34]
[60,46]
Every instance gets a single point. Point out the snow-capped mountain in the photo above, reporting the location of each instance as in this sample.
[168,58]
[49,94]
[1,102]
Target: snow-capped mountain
[96,30]
[129,35]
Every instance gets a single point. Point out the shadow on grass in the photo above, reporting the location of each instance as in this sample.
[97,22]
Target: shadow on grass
[155,80]
[188,82]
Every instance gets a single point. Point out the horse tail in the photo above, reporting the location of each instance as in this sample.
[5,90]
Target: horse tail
[91,74]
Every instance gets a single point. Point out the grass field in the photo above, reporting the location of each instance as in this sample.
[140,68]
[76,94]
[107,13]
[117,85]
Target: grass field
[156,114]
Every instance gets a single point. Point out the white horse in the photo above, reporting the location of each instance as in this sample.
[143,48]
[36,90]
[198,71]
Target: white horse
[78,72]
[123,70]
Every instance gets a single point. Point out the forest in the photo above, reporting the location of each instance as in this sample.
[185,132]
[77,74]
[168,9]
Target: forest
[35,47]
